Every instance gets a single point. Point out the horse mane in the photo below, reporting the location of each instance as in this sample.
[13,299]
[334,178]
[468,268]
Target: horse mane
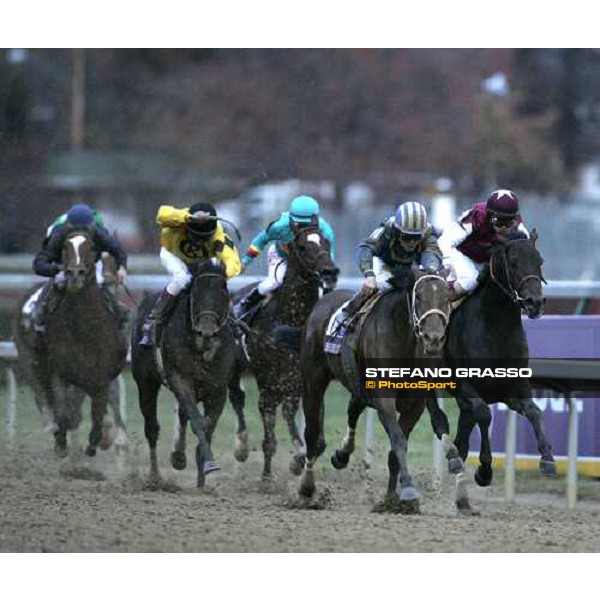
[402,279]
[210,265]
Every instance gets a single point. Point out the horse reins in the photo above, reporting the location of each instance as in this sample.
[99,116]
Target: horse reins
[511,291]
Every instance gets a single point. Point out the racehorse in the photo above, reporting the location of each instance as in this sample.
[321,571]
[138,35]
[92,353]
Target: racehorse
[488,326]
[309,267]
[82,351]
[194,357]
[409,321]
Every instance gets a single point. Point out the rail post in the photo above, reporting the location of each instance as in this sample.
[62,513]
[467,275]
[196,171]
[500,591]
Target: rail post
[572,451]
[510,461]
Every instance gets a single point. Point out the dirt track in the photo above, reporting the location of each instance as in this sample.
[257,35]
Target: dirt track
[49,506]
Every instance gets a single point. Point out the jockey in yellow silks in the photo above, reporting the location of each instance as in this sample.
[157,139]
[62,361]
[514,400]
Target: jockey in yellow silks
[187,236]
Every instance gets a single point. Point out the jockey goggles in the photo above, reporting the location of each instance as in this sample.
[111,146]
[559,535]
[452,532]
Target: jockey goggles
[411,237]
[502,221]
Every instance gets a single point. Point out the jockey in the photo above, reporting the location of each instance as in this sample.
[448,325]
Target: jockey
[303,212]
[467,243]
[402,240]
[187,236]
[80,217]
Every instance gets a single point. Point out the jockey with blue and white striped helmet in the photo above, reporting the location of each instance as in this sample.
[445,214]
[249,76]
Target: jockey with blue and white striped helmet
[405,239]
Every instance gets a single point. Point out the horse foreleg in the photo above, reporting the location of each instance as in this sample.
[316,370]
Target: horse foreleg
[289,409]
[314,436]
[99,404]
[213,408]
[237,397]
[483,416]
[178,458]
[441,428]
[528,408]
[386,410]
[267,407]
[341,457]
[148,393]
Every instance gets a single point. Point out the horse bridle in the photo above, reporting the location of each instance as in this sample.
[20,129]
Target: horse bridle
[512,292]
[417,320]
[221,319]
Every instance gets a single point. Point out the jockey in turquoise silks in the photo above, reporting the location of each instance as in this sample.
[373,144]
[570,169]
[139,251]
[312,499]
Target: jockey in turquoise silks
[303,212]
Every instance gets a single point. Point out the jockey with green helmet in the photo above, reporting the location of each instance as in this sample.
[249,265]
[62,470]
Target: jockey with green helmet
[303,212]
[403,240]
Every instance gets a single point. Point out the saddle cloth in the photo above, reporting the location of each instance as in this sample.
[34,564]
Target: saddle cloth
[336,333]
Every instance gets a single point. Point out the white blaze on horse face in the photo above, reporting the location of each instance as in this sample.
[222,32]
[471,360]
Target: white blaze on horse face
[76,242]
[315,238]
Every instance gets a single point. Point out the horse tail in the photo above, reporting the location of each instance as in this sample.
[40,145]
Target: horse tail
[288,337]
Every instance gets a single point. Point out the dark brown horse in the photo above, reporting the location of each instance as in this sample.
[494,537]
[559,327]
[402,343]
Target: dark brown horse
[309,268]
[488,326]
[195,358]
[82,352]
[408,321]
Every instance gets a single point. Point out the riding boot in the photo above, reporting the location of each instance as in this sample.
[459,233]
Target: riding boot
[244,305]
[41,310]
[346,317]
[158,315]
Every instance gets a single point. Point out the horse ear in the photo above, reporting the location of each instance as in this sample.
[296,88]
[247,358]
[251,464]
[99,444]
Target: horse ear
[533,236]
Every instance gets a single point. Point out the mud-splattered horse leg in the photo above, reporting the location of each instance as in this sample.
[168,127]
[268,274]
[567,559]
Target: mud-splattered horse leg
[289,409]
[456,465]
[186,396]
[341,457]
[533,414]
[314,433]
[214,404]
[386,411]
[148,393]
[120,438]
[475,411]
[237,397]
[178,458]
[99,406]
[267,406]
[407,419]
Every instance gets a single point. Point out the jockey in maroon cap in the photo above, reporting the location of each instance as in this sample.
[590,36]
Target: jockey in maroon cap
[467,243]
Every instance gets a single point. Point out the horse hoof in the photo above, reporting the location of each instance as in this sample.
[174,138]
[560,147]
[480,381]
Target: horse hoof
[455,465]
[61,451]
[548,468]
[409,494]
[241,455]
[307,490]
[340,459]
[210,466]
[483,476]
[297,465]
[90,451]
[464,508]
[178,460]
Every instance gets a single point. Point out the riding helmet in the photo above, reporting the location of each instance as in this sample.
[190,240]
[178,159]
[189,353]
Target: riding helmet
[303,209]
[207,228]
[503,203]
[411,218]
[80,215]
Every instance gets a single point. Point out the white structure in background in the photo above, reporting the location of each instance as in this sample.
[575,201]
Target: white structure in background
[588,185]
[270,199]
[443,204]
[358,196]
[496,85]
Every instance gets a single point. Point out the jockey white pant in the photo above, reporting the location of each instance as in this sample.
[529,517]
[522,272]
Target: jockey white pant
[464,271]
[276,273]
[382,273]
[178,270]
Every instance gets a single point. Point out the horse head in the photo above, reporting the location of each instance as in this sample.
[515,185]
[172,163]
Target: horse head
[516,268]
[430,311]
[310,251]
[209,305]
[78,260]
